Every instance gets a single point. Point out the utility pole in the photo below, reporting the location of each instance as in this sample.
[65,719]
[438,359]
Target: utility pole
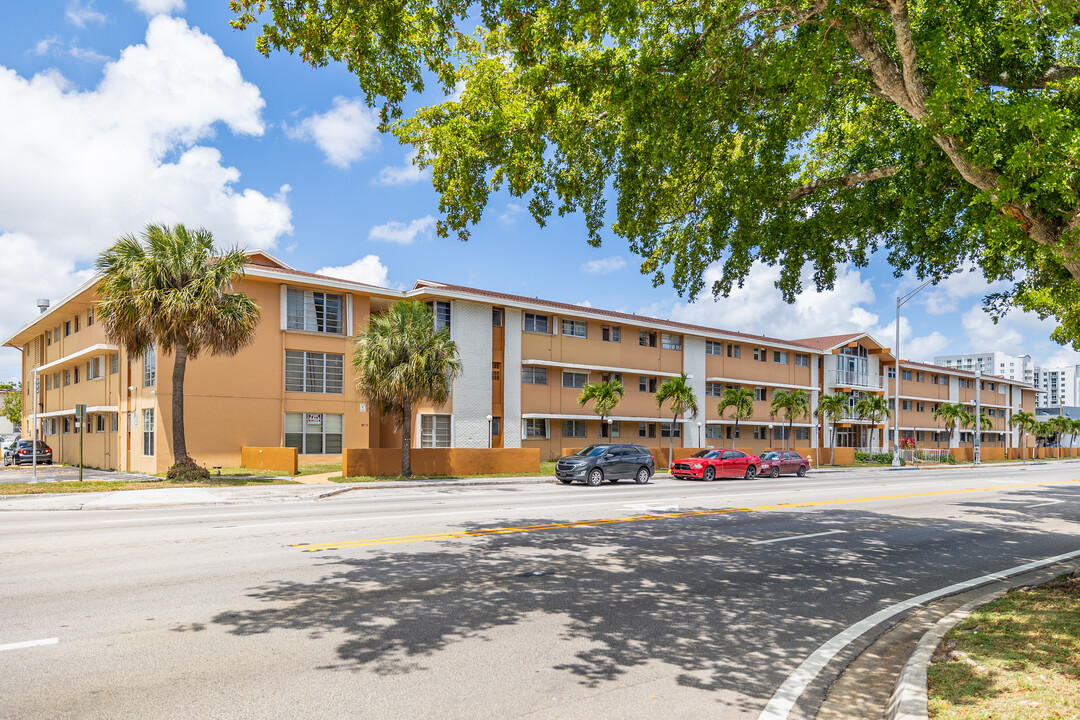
[900,300]
[978,416]
[80,423]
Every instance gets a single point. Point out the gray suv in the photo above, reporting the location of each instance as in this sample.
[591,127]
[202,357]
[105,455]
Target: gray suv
[596,463]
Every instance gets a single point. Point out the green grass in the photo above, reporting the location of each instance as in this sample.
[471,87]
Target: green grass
[1024,653]
[547,469]
[242,472]
[73,486]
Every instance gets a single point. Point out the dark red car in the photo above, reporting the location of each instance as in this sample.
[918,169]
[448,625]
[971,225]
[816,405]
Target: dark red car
[712,464]
[783,462]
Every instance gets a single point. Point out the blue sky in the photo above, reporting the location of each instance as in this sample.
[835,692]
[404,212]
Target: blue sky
[118,113]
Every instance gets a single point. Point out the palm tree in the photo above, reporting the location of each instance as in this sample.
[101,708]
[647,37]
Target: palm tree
[399,360]
[950,414]
[794,403]
[1074,430]
[831,408]
[606,395]
[741,400]
[968,420]
[1023,421]
[1041,430]
[678,393]
[1060,425]
[170,289]
[875,409]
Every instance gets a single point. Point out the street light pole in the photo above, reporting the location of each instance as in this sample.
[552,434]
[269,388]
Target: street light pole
[609,426]
[900,300]
[699,433]
[489,418]
[978,419]
[34,431]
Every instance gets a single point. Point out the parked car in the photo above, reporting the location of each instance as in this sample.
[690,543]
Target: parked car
[596,463]
[20,453]
[711,464]
[782,462]
[7,442]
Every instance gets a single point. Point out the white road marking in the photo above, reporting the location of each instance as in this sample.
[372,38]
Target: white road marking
[184,517]
[796,537]
[1049,502]
[652,507]
[29,644]
[785,697]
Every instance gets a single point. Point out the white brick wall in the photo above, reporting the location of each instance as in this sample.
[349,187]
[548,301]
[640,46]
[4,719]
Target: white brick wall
[693,352]
[470,328]
[512,378]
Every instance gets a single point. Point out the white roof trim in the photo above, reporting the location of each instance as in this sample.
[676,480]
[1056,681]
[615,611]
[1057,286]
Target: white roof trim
[279,261]
[78,354]
[760,383]
[336,283]
[598,368]
[92,409]
[617,418]
[53,307]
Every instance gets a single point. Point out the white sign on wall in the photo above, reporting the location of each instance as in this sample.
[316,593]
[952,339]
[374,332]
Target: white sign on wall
[314,418]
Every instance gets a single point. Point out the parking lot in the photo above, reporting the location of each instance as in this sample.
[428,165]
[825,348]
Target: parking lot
[59,473]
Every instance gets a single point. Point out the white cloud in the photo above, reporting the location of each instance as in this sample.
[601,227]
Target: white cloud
[584,303]
[345,133]
[83,13]
[83,166]
[46,45]
[402,233]
[603,266]
[157,7]
[511,213]
[86,55]
[367,270]
[946,296]
[406,174]
[919,349]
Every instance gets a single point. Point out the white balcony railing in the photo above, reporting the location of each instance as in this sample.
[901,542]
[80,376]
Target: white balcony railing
[847,378]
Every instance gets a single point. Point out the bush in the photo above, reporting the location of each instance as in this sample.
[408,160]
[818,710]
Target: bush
[188,470]
[948,459]
[882,458]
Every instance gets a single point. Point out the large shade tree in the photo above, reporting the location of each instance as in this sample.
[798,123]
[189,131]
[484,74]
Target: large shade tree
[399,360]
[680,398]
[170,290]
[733,132]
[605,395]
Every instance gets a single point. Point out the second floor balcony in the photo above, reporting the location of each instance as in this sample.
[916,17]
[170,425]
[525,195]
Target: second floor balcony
[851,379]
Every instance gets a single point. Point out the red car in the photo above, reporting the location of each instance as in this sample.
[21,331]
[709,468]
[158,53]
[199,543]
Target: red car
[779,462]
[711,464]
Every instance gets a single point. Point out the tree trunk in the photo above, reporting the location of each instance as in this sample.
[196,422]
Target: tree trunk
[406,439]
[179,369]
[832,451]
[671,443]
[600,432]
[787,440]
[736,433]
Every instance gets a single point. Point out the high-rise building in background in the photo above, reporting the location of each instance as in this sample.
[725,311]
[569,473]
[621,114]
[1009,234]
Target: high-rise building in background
[1059,384]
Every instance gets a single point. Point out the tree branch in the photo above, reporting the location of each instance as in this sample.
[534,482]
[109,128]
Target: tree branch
[916,90]
[845,181]
[1054,73]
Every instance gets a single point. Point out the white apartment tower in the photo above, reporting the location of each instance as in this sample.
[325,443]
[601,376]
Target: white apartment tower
[1059,384]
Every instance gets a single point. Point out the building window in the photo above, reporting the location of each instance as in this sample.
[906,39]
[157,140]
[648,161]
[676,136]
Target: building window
[921,407]
[89,317]
[611,333]
[802,433]
[56,334]
[574,379]
[714,348]
[715,432]
[646,338]
[435,431]
[536,428]
[496,371]
[531,375]
[647,430]
[314,372]
[760,433]
[714,389]
[666,430]
[100,422]
[905,374]
[612,376]
[573,428]
[149,367]
[148,432]
[67,378]
[56,380]
[67,424]
[67,328]
[646,384]
[114,363]
[944,380]
[313,433]
[778,432]
[75,372]
[802,360]
[614,425]
[671,342]
[536,323]
[313,311]
[759,394]
[48,382]
[734,351]
[575,328]
[919,377]
[891,371]
[758,354]
[933,379]
[93,369]
[496,317]
[77,318]
[440,309]
[780,357]
[48,338]
[906,405]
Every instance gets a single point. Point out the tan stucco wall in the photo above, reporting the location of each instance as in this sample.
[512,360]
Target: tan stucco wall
[440,461]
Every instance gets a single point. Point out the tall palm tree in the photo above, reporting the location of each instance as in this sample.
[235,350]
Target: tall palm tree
[1060,425]
[969,420]
[401,359]
[606,395]
[741,401]
[950,414]
[681,399]
[1041,431]
[1074,430]
[794,403]
[875,409]
[169,289]
[832,408]
[1023,421]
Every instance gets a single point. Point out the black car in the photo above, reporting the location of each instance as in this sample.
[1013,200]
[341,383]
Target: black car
[20,453]
[596,463]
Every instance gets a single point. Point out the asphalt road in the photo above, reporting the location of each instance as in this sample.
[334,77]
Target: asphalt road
[691,600]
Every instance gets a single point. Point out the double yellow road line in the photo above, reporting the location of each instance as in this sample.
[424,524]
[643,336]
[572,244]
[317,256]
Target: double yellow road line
[316,547]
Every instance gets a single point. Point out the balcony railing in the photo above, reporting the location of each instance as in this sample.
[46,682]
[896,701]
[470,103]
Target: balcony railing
[847,378]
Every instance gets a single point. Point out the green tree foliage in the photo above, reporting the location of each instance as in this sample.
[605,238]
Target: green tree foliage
[11,408]
[741,402]
[831,408]
[1024,421]
[791,133]
[794,403]
[399,360]
[875,409]
[169,289]
[680,397]
[950,414]
[605,396]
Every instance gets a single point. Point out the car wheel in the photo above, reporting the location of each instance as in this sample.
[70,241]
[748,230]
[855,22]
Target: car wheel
[802,471]
[642,476]
[775,472]
[751,471]
[566,481]
[709,475]
[596,476]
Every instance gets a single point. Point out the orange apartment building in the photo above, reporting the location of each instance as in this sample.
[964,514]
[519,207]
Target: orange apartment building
[524,362]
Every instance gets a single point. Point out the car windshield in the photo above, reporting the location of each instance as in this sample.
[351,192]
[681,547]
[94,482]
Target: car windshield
[770,456]
[592,450]
[707,454]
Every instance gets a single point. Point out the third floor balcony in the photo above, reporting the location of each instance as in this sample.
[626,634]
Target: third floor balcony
[851,379]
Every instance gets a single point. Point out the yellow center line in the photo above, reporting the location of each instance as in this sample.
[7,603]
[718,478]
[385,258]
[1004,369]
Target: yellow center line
[659,516]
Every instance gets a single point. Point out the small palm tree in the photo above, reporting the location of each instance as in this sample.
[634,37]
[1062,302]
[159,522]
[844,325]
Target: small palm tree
[401,359]
[875,409]
[1023,421]
[968,420]
[832,408]
[1060,426]
[1074,430]
[950,414]
[170,289]
[794,403]
[681,399]
[606,395]
[741,400]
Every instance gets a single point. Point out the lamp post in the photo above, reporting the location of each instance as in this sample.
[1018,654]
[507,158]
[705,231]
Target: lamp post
[770,435]
[978,419]
[489,418]
[609,426]
[34,431]
[900,300]
[699,433]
